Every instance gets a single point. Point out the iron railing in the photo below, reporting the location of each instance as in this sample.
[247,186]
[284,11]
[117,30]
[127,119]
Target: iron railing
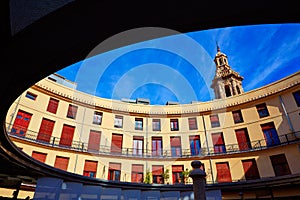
[164,153]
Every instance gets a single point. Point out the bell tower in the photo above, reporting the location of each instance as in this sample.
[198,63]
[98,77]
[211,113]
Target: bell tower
[226,82]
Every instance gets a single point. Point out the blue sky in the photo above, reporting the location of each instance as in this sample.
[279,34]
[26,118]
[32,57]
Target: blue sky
[180,67]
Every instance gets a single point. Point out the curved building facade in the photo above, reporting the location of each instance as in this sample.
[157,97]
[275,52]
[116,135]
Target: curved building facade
[240,137]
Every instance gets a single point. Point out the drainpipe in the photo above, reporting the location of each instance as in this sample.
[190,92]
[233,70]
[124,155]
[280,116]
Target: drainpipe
[286,114]
[210,164]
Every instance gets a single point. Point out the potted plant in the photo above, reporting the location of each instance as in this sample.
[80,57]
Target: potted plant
[185,175]
[165,175]
[148,177]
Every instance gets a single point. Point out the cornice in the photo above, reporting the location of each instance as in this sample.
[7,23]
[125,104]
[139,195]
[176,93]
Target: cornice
[115,106]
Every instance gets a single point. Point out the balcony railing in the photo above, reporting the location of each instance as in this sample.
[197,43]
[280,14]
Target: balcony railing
[163,153]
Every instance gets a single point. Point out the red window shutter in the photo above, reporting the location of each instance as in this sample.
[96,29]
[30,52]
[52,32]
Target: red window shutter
[21,123]
[52,105]
[175,141]
[61,163]
[138,138]
[116,143]
[115,166]
[90,166]
[94,140]
[67,135]
[72,111]
[157,170]
[267,126]
[177,168]
[242,139]
[194,137]
[39,156]
[214,118]
[46,129]
[223,172]
[217,139]
[137,168]
[192,123]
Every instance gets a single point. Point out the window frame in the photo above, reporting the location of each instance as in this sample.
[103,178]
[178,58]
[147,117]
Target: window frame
[72,111]
[172,127]
[154,126]
[118,117]
[240,116]
[214,124]
[138,124]
[195,122]
[262,110]
[95,117]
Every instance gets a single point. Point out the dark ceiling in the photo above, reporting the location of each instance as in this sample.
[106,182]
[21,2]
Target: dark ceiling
[43,44]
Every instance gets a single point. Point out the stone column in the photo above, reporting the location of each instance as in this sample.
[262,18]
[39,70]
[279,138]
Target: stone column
[198,176]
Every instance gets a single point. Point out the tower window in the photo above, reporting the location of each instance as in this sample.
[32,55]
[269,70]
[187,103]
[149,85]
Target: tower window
[227,91]
[238,90]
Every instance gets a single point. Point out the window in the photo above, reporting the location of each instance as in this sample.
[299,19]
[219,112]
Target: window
[116,143]
[156,146]
[114,171]
[195,144]
[138,123]
[218,142]
[243,139]
[72,111]
[118,121]
[223,172]
[45,131]
[52,105]
[193,123]
[61,163]
[174,124]
[31,96]
[280,165]
[67,135]
[94,141]
[227,91]
[21,123]
[270,134]
[297,97]
[262,110]
[237,116]
[250,169]
[39,156]
[97,119]
[157,171]
[138,142]
[90,168]
[156,124]
[175,146]
[137,173]
[177,173]
[214,121]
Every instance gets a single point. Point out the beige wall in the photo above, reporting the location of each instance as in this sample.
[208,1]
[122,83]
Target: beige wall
[88,104]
